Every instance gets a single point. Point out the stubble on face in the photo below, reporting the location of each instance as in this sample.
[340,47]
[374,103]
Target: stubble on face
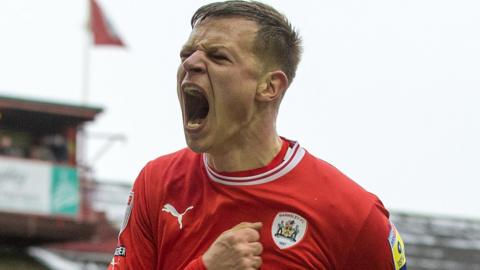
[227,71]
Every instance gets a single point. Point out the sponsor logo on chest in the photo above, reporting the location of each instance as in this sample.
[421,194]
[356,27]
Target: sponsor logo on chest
[173,211]
[288,229]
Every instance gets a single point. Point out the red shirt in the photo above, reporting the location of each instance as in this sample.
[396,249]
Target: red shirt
[313,216]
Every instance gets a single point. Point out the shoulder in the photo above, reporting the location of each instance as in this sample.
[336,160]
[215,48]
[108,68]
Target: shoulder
[361,222]
[170,164]
[174,159]
[354,210]
[162,176]
[343,192]
[159,172]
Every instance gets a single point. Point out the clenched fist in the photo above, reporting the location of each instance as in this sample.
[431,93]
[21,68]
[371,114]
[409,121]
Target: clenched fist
[236,249]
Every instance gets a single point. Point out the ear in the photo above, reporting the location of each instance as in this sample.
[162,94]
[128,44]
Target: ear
[272,86]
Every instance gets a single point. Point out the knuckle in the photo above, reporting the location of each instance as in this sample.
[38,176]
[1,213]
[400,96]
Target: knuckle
[259,247]
[237,238]
[240,225]
[227,240]
[232,237]
[253,233]
[226,234]
[259,261]
[239,249]
[245,262]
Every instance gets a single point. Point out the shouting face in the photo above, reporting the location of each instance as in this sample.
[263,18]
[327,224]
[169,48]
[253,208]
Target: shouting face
[217,82]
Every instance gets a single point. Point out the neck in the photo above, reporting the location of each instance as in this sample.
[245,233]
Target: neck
[250,153]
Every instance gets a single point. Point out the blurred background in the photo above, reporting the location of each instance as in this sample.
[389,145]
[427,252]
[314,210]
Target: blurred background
[386,91]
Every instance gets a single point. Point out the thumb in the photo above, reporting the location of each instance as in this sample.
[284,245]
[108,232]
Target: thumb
[252,225]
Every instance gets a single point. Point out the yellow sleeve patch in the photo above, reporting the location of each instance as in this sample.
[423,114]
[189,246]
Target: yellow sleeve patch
[398,248]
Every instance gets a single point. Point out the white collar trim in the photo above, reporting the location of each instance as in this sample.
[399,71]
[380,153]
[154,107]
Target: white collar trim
[293,156]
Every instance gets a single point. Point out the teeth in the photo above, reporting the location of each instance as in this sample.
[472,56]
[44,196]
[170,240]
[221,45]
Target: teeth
[192,91]
[194,123]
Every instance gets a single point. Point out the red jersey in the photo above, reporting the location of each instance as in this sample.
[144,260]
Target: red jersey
[313,216]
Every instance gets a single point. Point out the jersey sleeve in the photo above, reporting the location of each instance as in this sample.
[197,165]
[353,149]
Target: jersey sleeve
[135,247]
[378,244]
[196,264]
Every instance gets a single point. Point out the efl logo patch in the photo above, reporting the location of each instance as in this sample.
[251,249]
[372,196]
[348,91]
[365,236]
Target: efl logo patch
[120,251]
[116,263]
[398,248]
[128,210]
[288,229]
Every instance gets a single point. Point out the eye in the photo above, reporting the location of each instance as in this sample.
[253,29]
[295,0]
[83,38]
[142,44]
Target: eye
[219,56]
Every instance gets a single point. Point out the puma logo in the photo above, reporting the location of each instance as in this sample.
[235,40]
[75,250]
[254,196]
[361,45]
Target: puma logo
[170,209]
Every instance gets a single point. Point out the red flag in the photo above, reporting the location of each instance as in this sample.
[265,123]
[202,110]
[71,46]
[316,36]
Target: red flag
[102,29]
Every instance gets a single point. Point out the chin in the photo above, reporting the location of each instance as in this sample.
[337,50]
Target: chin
[196,146]
[196,149]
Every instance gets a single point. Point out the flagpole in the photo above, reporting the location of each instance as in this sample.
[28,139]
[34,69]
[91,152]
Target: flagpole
[85,83]
[85,87]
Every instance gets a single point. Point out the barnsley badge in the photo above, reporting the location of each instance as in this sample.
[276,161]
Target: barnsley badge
[288,229]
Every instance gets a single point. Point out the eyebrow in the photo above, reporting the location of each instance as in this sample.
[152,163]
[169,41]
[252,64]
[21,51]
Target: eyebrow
[207,49]
[186,48]
[214,47]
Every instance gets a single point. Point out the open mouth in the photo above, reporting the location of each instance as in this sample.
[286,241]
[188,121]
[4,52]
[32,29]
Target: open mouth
[196,107]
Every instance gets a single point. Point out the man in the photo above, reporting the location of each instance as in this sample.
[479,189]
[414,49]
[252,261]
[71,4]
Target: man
[241,197]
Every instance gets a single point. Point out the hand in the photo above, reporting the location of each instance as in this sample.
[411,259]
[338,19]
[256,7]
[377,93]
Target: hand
[237,249]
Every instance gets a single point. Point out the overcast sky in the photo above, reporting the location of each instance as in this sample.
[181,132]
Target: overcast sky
[387,91]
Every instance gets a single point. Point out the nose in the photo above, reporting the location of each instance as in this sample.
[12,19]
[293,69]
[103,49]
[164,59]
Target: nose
[194,63]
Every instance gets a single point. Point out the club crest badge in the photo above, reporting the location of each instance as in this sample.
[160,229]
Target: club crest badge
[288,229]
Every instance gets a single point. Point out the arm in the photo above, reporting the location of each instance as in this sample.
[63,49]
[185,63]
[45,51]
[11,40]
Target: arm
[378,244]
[135,247]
